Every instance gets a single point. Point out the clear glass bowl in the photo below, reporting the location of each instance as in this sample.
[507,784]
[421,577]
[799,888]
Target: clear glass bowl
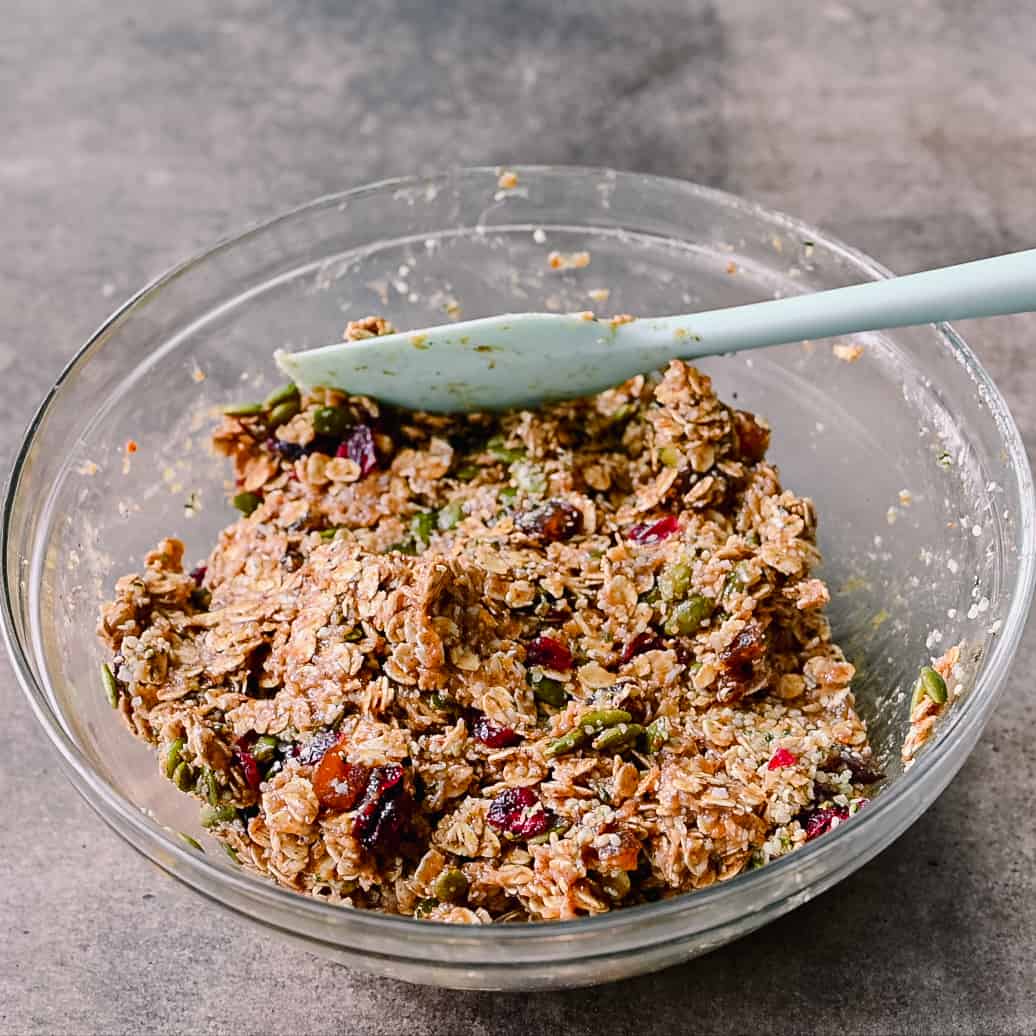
[916,412]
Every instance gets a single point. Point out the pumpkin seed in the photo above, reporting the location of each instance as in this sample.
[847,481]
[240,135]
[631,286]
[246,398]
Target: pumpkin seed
[451,885]
[618,739]
[929,683]
[213,816]
[111,685]
[246,503]
[283,394]
[171,759]
[550,691]
[689,616]
[243,409]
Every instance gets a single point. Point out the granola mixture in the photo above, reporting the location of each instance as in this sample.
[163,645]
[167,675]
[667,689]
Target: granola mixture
[526,666]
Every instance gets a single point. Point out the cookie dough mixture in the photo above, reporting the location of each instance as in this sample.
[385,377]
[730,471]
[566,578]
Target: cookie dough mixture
[477,668]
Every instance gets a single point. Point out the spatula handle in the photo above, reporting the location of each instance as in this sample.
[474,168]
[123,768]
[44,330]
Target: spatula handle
[985,288]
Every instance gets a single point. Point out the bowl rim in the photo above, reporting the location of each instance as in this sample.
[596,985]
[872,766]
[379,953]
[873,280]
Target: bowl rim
[184,864]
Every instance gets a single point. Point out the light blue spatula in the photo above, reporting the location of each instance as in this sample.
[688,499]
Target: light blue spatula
[521,359]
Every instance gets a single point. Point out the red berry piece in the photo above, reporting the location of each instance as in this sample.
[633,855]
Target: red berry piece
[385,809]
[781,758]
[656,531]
[337,782]
[550,653]
[642,642]
[493,735]
[247,761]
[551,522]
[358,445]
[517,812]
[820,821]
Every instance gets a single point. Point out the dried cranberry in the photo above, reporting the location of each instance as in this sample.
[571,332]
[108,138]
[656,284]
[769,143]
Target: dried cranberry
[385,809]
[337,782]
[549,653]
[781,758]
[656,531]
[198,574]
[820,821]
[492,734]
[645,641]
[517,812]
[358,446]
[249,766]
[753,438]
[316,747]
[551,522]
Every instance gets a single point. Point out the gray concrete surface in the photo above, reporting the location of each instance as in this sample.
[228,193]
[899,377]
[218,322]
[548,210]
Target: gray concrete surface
[134,133]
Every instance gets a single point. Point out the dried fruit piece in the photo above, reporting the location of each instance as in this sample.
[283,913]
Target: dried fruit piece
[359,447]
[820,821]
[338,784]
[248,763]
[753,437]
[782,758]
[736,659]
[493,735]
[862,769]
[551,522]
[549,653]
[198,574]
[654,532]
[646,641]
[385,809]
[517,812]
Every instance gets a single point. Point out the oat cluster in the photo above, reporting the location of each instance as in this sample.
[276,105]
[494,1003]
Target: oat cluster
[475,668]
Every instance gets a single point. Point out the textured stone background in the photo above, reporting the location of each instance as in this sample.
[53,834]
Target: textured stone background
[134,133]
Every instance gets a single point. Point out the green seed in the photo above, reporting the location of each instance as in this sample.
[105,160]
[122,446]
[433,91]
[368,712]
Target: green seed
[192,842]
[282,413]
[230,851]
[406,546]
[569,742]
[243,409]
[657,733]
[507,494]
[559,828]
[425,907]
[623,413]
[550,691]
[618,739]
[331,420]
[284,394]
[496,449]
[183,777]
[422,525]
[327,535]
[451,885]
[466,472]
[529,477]
[353,635]
[171,759]
[675,581]
[670,456]
[449,516]
[213,816]
[208,787]
[689,616]
[246,503]
[111,685]
[601,719]
[265,749]
[616,886]
[929,683]
[589,723]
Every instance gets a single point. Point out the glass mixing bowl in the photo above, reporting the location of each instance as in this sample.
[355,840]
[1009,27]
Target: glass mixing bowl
[910,575]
